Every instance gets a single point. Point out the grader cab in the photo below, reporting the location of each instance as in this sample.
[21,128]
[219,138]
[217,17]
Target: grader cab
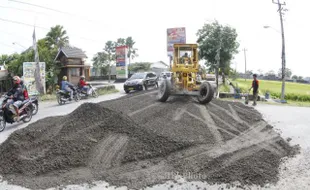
[184,81]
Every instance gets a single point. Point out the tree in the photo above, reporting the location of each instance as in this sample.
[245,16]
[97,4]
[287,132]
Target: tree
[300,78]
[141,66]
[260,71]
[47,54]
[120,42]
[271,72]
[233,74]
[100,62]
[249,72]
[288,73]
[213,38]
[132,52]
[47,49]
[110,49]
[57,36]
[295,77]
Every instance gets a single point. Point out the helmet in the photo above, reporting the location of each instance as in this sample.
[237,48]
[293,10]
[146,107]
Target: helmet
[64,78]
[82,77]
[16,80]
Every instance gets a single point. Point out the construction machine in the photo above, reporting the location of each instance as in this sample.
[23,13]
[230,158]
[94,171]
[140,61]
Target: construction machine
[185,68]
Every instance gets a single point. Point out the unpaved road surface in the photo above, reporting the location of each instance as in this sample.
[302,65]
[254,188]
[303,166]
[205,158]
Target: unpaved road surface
[137,142]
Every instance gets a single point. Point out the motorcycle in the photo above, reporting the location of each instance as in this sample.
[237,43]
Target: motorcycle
[63,96]
[6,115]
[34,104]
[91,92]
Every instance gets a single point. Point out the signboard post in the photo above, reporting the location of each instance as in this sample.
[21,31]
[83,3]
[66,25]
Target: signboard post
[175,36]
[121,62]
[29,78]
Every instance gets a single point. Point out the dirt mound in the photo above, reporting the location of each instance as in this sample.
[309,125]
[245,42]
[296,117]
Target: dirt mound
[136,141]
[91,136]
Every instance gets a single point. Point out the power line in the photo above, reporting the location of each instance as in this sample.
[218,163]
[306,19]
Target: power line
[40,7]
[25,10]
[22,23]
[4,44]
[16,35]
[59,11]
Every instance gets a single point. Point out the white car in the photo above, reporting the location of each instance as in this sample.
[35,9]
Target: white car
[168,75]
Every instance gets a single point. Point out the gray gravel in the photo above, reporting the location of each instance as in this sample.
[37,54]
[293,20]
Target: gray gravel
[137,141]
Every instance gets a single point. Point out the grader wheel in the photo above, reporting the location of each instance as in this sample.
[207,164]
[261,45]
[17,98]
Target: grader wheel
[163,91]
[206,93]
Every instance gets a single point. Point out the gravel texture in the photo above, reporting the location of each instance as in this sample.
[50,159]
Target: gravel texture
[138,142]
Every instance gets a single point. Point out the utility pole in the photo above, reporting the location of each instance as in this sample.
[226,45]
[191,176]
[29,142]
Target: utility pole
[218,58]
[244,50]
[280,10]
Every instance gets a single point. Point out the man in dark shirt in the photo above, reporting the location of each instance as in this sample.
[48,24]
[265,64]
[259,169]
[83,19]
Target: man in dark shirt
[255,86]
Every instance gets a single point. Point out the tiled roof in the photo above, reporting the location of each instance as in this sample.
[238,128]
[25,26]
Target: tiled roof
[73,52]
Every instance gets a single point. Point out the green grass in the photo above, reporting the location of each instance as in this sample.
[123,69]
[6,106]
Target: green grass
[293,91]
[289,103]
[52,97]
[224,88]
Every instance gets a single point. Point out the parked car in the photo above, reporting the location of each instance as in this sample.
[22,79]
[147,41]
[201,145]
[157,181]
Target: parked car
[168,75]
[141,81]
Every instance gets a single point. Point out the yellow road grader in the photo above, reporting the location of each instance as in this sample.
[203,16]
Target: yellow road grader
[184,81]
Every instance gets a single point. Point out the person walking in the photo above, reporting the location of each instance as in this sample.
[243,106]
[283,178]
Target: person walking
[255,86]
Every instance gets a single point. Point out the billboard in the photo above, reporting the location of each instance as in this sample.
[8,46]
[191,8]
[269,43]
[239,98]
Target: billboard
[29,78]
[121,62]
[175,36]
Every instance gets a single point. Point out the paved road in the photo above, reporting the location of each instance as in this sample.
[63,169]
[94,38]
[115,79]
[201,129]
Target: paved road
[292,122]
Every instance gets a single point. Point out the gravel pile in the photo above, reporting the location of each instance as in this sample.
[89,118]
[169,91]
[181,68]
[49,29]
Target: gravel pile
[138,142]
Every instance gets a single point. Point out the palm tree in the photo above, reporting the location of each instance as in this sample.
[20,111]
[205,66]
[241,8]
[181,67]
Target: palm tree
[132,52]
[120,42]
[100,61]
[57,36]
[110,50]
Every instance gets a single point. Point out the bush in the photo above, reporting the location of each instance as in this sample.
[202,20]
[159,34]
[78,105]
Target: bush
[224,88]
[292,96]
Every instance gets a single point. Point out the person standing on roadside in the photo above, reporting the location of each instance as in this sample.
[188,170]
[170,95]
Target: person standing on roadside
[255,86]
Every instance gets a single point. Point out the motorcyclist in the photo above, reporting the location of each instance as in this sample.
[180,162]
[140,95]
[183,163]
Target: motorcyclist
[83,84]
[66,86]
[25,90]
[17,97]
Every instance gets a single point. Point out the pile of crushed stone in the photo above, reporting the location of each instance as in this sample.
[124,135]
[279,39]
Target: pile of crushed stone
[137,142]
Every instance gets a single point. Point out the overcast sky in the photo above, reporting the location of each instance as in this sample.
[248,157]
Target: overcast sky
[94,22]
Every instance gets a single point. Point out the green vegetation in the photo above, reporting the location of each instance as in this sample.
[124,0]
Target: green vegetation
[216,39]
[294,91]
[224,88]
[103,60]
[141,66]
[47,48]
